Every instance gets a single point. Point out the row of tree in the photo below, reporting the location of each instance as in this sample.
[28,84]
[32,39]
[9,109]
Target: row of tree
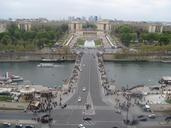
[38,37]
[129,35]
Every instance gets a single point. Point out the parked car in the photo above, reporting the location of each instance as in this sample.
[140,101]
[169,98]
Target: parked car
[140,116]
[152,116]
[18,126]
[6,124]
[87,118]
[143,119]
[168,118]
[29,126]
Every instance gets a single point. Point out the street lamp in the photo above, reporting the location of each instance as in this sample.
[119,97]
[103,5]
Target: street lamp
[49,107]
[127,105]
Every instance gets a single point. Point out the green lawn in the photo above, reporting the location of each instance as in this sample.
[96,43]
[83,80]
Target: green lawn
[98,42]
[5,98]
[80,42]
[168,101]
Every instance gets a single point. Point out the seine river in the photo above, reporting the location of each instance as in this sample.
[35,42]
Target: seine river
[124,73]
[137,73]
[36,75]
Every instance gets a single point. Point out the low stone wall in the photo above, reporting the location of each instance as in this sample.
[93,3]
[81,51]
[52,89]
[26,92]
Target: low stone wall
[31,56]
[134,57]
[38,56]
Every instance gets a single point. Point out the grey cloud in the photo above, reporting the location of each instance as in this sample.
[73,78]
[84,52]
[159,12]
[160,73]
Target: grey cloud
[57,9]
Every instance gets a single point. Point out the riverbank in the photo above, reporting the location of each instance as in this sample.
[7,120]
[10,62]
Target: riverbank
[36,56]
[32,97]
[67,57]
[120,57]
[139,96]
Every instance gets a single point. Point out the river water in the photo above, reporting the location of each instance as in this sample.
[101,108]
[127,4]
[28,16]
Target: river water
[124,73]
[137,73]
[43,76]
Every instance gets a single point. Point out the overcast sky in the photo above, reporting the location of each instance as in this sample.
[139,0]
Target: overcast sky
[145,10]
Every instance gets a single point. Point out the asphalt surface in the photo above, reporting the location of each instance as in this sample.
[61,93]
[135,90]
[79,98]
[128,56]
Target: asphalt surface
[101,115]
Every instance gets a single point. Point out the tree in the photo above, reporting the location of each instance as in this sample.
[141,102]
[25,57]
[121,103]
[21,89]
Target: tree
[164,40]
[11,28]
[28,36]
[64,27]
[150,37]
[125,29]
[17,34]
[126,38]
[6,39]
[41,35]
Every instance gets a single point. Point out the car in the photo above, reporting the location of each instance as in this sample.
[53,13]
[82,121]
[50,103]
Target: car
[46,118]
[84,89]
[29,126]
[152,116]
[79,99]
[87,118]
[6,124]
[141,116]
[143,119]
[81,126]
[168,118]
[18,126]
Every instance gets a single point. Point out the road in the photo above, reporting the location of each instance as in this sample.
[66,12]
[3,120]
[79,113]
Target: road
[102,115]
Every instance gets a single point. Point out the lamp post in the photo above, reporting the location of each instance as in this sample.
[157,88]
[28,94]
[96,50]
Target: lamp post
[49,107]
[127,105]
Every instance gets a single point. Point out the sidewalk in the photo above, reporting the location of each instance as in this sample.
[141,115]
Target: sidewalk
[13,106]
[18,121]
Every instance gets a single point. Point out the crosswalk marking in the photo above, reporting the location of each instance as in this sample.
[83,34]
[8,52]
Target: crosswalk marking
[81,107]
[89,123]
[103,108]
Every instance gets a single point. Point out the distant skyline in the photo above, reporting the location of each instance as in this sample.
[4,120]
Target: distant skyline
[133,10]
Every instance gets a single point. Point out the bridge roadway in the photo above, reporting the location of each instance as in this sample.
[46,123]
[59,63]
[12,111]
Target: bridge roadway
[102,115]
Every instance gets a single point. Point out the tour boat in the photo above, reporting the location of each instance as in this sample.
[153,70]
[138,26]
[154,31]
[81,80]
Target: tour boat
[49,65]
[165,80]
[6,124]
[5,78]
[15,78]
[49,60]
[9,78]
